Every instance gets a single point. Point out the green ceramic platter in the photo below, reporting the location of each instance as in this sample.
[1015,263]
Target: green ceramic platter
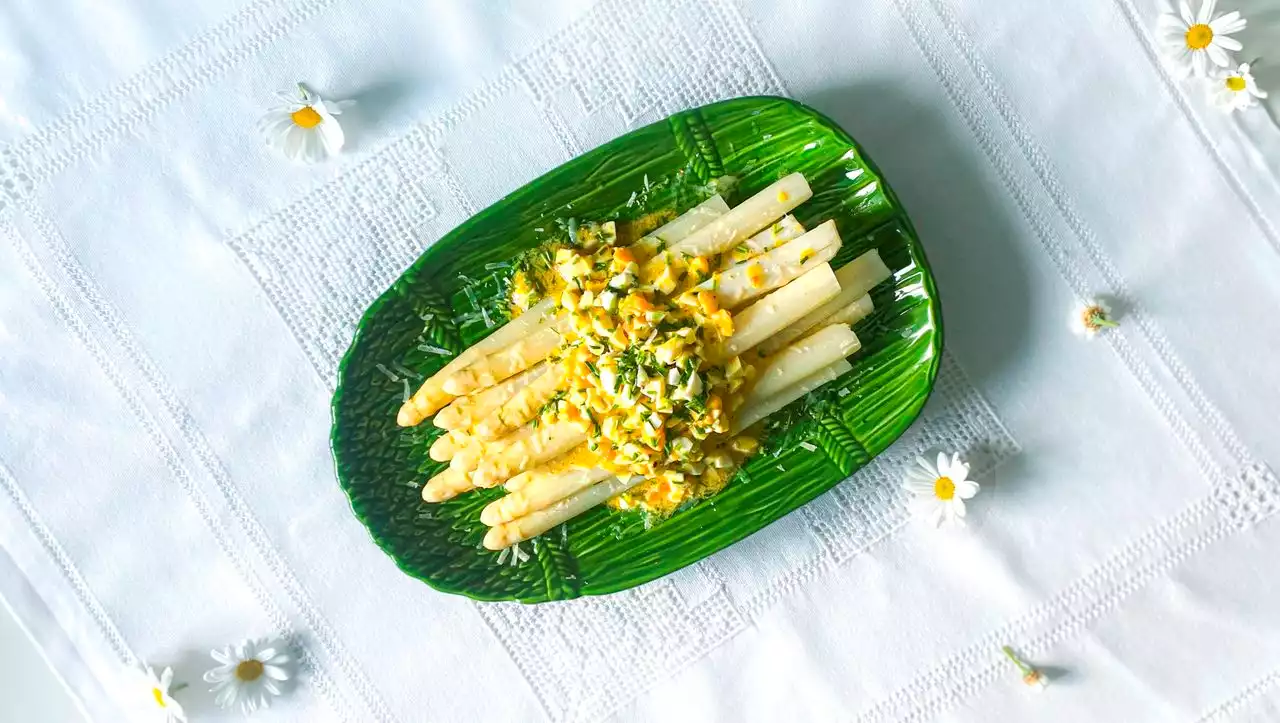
[452,294]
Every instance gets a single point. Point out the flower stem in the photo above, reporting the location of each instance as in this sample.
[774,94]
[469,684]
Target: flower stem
[1022,667]
[177,687]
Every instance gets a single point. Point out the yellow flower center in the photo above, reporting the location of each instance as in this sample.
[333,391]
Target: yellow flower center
[1235,83]
[307,117]
[944,488]
[1199,36]
[1093,317]
[249,671]
[159,696]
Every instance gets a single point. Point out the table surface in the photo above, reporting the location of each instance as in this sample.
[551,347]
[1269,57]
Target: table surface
[174,299]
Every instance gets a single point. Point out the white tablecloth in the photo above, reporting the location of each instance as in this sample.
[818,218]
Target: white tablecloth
[174,299]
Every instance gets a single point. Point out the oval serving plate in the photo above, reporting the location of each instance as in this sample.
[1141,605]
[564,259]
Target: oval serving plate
[453,295]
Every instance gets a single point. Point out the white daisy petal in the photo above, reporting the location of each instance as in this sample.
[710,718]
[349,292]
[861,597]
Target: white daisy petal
[314,149]
[1206,11]
[166,678]
[272,688]
[929,469]
[1199,64]
[225,696]
[332,136]
[265,654]
[919,488]
[943,464]
[919,475]
[967,489]
[274,672]
[1226,43]
[1218,55]
[957,507]
[217,675]
[938,515]
[1185,11]
[1231,22]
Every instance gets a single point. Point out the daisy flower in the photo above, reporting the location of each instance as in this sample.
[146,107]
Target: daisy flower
[1235,89]
[249,674]
[151,699]
[940,490]
[1032,678]
[1191,42]
[305,127]
[1090,317]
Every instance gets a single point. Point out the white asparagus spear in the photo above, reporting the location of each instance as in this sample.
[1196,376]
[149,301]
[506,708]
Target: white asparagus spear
[683,225]
[839,310]
[526,448]
[749,415]
[465,411]
[432,395]
[523,405]
[741,222]
[450,444]
[536,523]
[743,282]
[448,484]
[803,358]
[851,314]
[541,493]
[767,240]
[498,366]
[774,312]
[856,278]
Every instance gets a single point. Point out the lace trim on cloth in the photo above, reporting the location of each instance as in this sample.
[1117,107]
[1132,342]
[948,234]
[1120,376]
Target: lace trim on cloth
[195,440]
[59,556]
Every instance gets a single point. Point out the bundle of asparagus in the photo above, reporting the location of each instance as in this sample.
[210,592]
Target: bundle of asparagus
[646,363]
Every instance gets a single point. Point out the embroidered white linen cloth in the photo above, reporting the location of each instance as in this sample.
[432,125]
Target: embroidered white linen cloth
[174,299]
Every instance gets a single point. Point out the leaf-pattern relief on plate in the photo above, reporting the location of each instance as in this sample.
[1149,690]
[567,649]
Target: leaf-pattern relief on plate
[452,296]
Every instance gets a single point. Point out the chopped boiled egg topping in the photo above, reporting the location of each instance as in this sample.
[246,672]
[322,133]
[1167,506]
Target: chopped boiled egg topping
[635,345]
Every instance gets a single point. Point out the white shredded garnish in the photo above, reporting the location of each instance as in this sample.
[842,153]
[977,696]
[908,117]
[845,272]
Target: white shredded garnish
[387,372]
[433,349]
[843,393]
[646,183]
[488,323]
[408,394]
[405,371]
[502,556]
[780,468]
[428,316]
[495,265]
[413,483]
[632,201]
[518,556]
[808,447]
